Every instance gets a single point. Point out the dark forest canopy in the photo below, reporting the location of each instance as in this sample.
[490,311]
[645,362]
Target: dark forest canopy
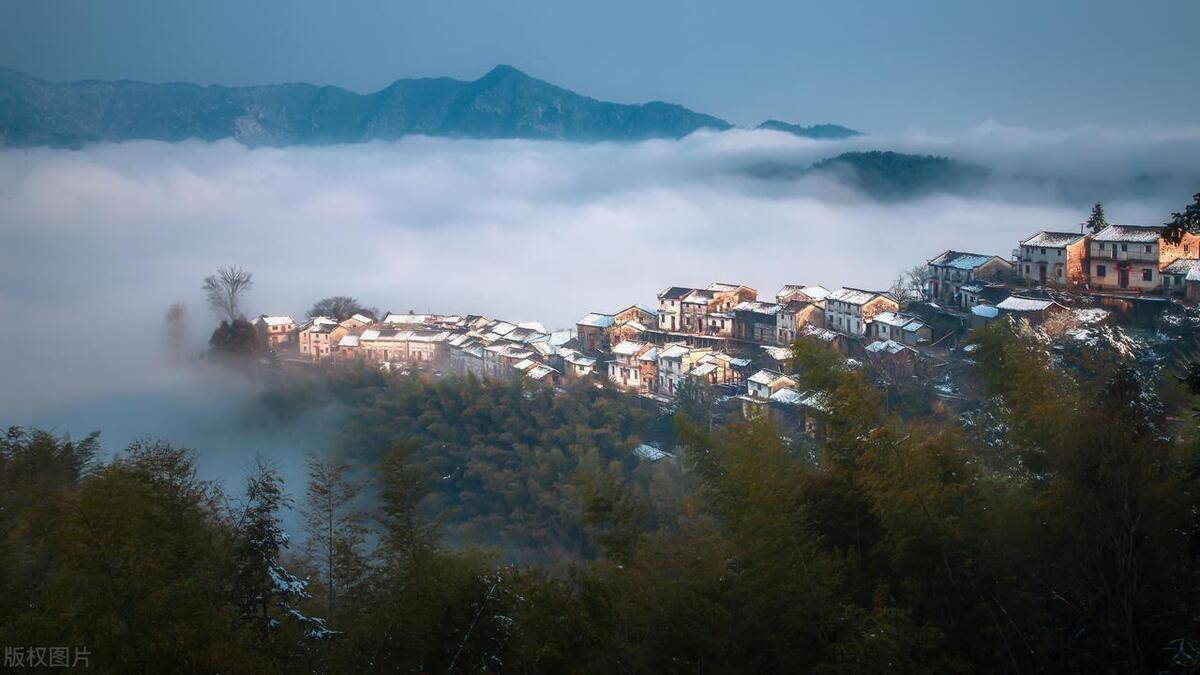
[1054,532]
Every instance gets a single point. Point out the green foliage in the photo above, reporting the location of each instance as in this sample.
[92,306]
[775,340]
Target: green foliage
[1096,221]
[1064,540]
[1186,221]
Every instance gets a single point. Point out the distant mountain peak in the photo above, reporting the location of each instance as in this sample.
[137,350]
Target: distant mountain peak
[830,131]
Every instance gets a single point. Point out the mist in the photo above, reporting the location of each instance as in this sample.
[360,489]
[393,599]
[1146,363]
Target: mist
[96,243]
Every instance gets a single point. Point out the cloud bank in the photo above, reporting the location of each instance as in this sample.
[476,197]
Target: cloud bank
[96,243]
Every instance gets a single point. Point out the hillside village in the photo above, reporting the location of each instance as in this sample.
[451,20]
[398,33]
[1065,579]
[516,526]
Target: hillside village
[724,336]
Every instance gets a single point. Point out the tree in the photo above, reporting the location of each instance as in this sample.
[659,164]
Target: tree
[1185,222]
[1096,222]
[335,528]
[337,307]
[238,338]
[265,591]
[225,290]
[176,331]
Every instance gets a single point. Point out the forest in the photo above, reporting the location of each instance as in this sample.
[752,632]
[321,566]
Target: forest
[501,526]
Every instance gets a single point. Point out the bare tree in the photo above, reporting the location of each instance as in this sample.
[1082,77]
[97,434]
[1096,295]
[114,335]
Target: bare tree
[225,289]
[176,331]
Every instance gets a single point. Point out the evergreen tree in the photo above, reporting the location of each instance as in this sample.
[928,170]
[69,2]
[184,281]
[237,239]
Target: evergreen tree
[335,529]
[1095,221]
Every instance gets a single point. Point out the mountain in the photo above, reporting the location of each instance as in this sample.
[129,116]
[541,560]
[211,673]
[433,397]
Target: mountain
[884,175]
[504,103]
[820,131]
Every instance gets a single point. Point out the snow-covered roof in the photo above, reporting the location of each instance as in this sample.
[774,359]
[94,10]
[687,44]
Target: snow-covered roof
[703,369]
[1182,266]
[818,333]
[580,360]
[758,307]
[627,348]
[675,293]
[853,296]
[1193,275]
[635,325]
[985,311]
[1016,303]
[766,377]
[539,372]
[777,353]
[699,296]
[1138,233]
[961,260]
[1046,239]
[407,318]
[816,400]
[674,352]
[650,355]
[787,396]
[971,288]
[649,452]
[596,320]
[535,326]
[362,318]
[348,341]
[560,337]
[275,320]
[889,346]
[525,364]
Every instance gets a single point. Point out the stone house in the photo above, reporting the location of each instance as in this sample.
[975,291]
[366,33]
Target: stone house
[1131,257]
[1052,259]
[275,330]
[756,322]
[313,337]
[670,308]
[759,388]
[1036,310]
[848,310]
[902,328]
[593,330]
[674,361]
[625,369]
[954,269]
[1174,275]
[796,314]
[811,294]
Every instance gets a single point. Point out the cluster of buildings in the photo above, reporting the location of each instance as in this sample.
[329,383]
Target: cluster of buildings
[727,337]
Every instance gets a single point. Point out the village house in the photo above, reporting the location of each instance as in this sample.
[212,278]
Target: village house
[899,327]
[756,322]
[1175,273]
[1131,257]
[848,310]
[313,337]
[575,364]
[1052,259]
[624,369]
[1192,286]
[670,308]
[892,357]
[982,315]
[796,314]
[759,388]
[276,330]
[1035,310]
[674,361]
[391,345]
[812,294]
[977,292]
[593,330]
[953,269]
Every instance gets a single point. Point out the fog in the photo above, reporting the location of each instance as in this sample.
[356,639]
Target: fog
[96,243]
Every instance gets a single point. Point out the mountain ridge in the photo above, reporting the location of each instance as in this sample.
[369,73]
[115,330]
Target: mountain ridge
[502,103]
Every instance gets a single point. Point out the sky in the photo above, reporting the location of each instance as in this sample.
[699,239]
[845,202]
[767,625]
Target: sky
[878,66]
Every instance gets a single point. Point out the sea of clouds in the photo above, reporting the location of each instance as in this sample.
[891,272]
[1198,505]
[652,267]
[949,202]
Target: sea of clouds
[96,243]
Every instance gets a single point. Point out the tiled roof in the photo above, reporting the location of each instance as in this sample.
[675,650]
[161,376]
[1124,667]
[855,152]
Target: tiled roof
[961,260]
[1138,233]
[1053,239]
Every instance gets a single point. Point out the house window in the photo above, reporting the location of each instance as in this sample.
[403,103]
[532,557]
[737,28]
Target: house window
[1147,248]
[1101,271]
[1027,269]
[1042,251]
[1101,246]
[1147,274]
[1124,247]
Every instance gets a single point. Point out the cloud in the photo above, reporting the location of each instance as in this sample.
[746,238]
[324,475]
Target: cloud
[98,242]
